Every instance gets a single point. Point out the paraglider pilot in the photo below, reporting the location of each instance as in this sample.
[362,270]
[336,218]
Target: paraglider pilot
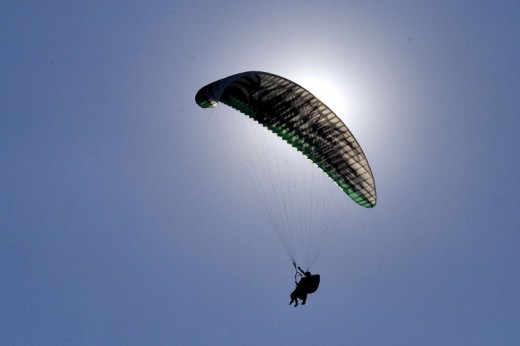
[308,284]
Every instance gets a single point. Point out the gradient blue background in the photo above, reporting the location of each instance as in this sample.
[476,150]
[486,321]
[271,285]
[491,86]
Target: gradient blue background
[121,224]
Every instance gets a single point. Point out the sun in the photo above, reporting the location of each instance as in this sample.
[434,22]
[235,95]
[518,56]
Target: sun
[330,92]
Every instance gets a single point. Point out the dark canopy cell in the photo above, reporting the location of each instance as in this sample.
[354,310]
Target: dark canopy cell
[303,121]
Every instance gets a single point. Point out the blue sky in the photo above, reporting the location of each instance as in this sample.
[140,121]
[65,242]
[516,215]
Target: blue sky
[121,221]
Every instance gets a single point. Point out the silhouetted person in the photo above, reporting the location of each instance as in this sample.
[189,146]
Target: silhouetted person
[308,284]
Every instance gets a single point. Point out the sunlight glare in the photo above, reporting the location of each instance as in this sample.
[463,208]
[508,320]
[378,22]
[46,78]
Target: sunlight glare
[329,92]
[345,96]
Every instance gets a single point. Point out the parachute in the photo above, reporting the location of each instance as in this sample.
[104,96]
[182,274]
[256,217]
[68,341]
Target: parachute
[301,120]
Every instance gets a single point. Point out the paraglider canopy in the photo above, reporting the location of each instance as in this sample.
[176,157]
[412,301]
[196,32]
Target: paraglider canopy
[303,121]
[302,205]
